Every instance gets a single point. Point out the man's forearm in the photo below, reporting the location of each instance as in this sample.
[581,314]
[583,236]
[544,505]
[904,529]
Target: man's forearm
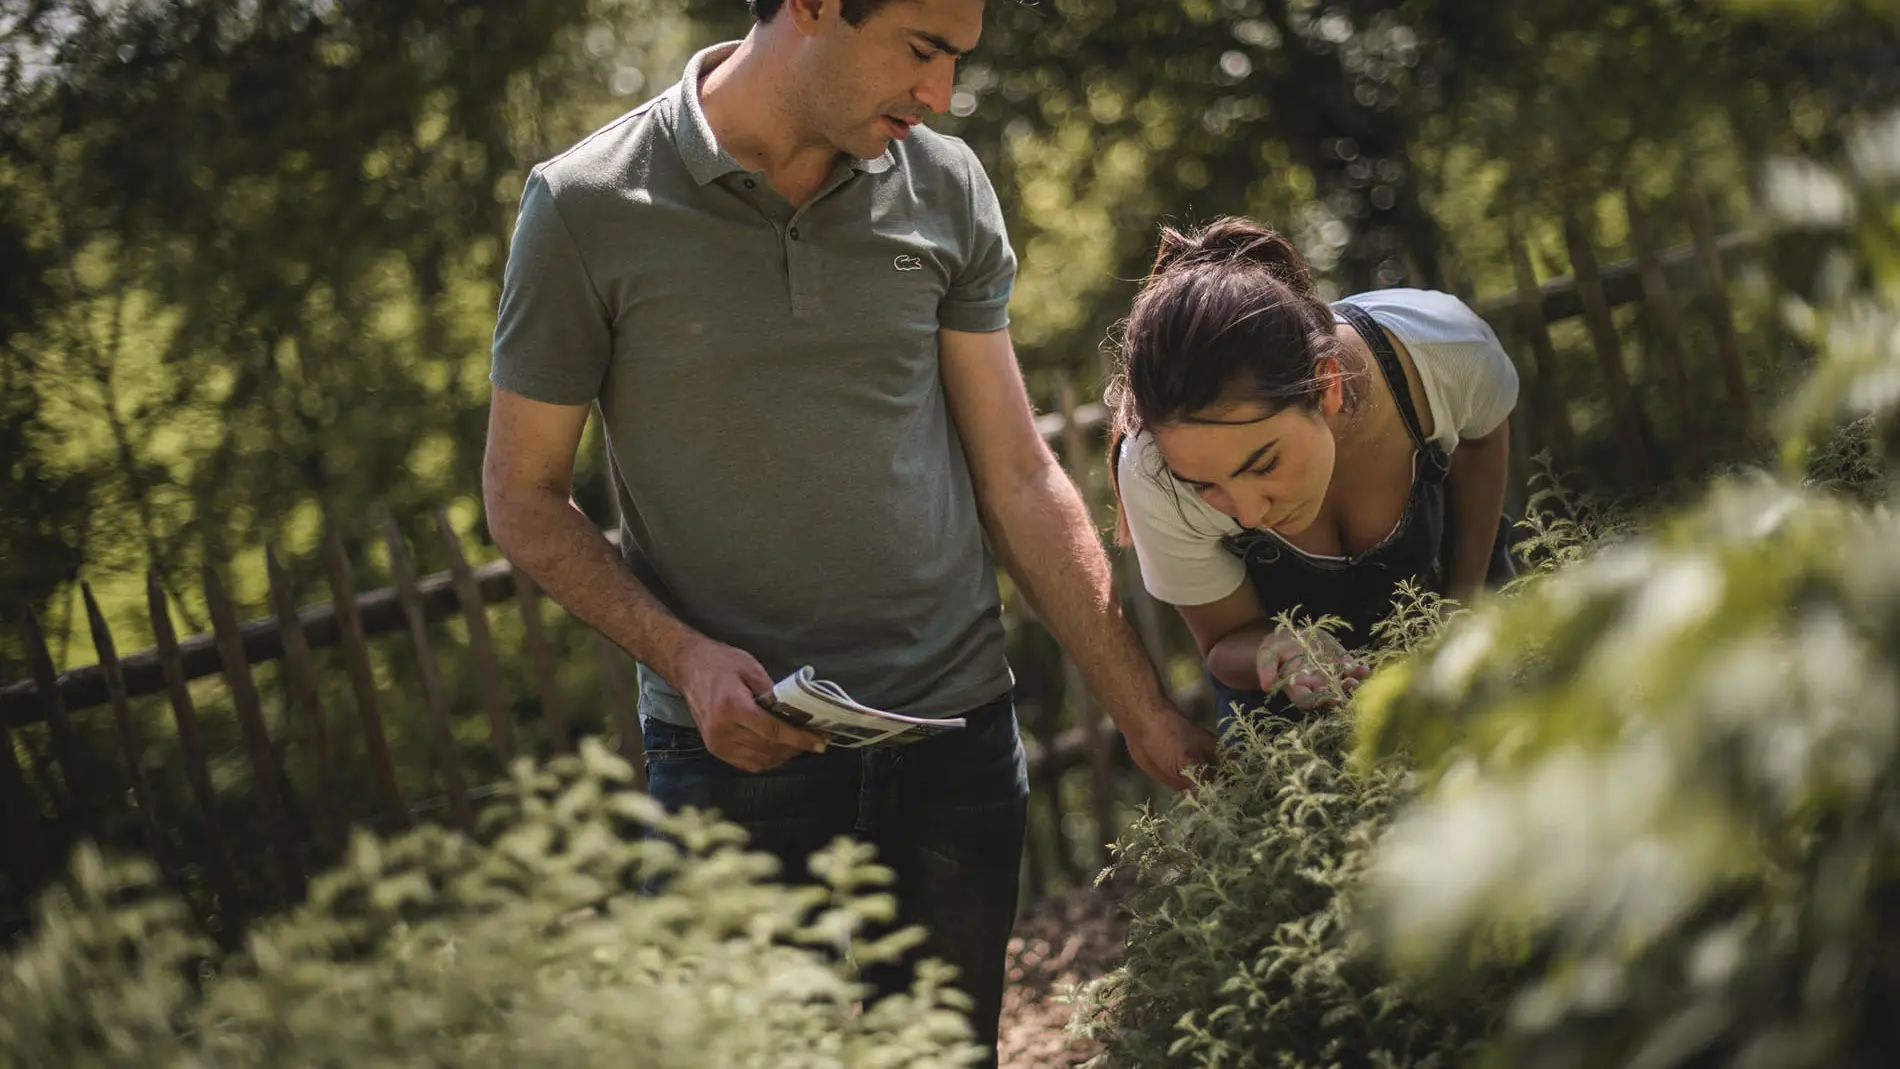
[1042,532]
[1477,479]
[549,538]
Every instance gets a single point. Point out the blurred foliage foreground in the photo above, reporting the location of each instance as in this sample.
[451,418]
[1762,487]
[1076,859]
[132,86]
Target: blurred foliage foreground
[1644,811]
[528,947]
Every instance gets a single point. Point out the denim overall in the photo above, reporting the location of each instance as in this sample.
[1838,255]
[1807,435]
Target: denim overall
[1361,589]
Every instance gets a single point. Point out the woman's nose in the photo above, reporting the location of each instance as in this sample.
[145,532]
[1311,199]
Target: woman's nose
[1252,509]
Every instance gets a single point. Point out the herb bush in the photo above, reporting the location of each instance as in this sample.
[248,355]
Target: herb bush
[529,947]
[1666,782]
[1243,946]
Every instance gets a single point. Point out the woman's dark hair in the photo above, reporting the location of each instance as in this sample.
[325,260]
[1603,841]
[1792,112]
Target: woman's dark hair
[1228,314]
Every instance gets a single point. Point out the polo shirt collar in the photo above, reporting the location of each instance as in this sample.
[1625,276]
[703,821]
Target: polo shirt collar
[705,160]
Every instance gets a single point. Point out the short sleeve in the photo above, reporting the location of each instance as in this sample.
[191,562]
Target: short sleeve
[1177,536]
[1490,390]
[553,341]
[1470,382]
[978,298]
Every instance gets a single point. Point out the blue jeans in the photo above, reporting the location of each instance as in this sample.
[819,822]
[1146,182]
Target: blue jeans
[946,814]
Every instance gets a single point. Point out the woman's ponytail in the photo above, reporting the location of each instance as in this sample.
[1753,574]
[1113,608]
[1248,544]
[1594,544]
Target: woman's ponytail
[1235,240]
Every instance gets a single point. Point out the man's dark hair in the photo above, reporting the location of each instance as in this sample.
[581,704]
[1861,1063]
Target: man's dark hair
[854,11]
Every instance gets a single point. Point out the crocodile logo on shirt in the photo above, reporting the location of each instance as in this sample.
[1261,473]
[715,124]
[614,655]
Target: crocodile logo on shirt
[908,263]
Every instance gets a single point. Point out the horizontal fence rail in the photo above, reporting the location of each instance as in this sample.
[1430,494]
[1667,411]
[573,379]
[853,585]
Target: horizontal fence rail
[1685,268]
[261,640]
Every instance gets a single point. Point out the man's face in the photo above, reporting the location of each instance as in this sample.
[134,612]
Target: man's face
[872,82]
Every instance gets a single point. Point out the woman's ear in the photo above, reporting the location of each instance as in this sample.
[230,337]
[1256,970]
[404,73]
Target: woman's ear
[1332,378]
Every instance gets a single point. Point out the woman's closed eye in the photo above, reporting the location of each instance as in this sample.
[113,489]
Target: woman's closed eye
[922,56]
[1259,471]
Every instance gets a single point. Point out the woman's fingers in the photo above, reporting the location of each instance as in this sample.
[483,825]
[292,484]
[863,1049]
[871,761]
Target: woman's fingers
[1282,665]
[1276,661]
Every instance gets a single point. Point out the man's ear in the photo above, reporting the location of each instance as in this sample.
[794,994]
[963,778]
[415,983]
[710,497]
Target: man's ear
[809,16]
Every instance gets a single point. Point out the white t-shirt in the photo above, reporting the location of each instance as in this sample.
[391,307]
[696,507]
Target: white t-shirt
[1470,385]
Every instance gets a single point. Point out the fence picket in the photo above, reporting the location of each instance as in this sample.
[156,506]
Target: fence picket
[1089,715]
[349,626]
[303,690]
[1609,348]
[77,780]
[20,812]
[1045,781]
[434,699]
[621,711]
[1661,305]
[131,739]
[534,635]
[1562,437]
[221,871]
[250,717]
[481,644]
[1715,294]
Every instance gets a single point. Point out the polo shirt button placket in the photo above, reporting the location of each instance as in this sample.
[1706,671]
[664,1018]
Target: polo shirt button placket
[804,274]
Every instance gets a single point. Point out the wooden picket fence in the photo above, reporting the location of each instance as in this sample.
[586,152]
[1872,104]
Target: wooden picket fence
[69,785]
[63,799]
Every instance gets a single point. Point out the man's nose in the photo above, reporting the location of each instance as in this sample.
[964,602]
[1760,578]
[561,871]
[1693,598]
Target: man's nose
[938,83]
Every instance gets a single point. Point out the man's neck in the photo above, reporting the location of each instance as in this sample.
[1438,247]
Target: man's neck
[747,100]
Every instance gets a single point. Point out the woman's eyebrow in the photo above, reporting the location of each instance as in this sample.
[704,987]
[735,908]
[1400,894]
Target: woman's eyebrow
[1252,459]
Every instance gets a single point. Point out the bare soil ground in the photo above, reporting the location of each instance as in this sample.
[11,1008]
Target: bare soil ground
[1062,942]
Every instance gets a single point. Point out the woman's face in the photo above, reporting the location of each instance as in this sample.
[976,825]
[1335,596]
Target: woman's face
[1268,472]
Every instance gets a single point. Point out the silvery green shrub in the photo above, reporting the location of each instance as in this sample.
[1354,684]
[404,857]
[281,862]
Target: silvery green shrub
[1653,817]
[1243,947]
[526,947]
[1664,783]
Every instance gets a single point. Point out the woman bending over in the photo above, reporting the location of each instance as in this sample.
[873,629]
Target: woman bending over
[1273,452]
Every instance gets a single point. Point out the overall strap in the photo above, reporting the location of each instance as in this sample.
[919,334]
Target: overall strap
[1389,366]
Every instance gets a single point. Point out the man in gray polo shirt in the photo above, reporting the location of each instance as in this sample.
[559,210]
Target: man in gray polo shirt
[789,302]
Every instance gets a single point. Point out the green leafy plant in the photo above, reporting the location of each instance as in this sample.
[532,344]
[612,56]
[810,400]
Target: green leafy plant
[1664,782]
[1242,944]
[1563,522]
[1652,816]
[568,935]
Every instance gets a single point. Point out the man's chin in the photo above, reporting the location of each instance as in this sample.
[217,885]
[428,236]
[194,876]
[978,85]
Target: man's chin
[869,148]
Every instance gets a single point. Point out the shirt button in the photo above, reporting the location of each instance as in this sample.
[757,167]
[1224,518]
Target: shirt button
[794,233]
[750,184]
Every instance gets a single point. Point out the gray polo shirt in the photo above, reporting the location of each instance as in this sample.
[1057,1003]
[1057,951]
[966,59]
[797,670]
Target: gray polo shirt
[789,477]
